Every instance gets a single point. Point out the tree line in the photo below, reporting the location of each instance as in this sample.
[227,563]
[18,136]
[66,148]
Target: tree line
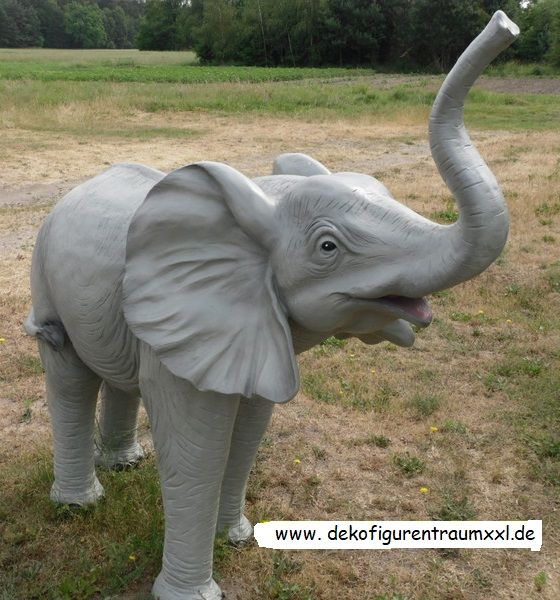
[403,34]
[398,33]
[70,23]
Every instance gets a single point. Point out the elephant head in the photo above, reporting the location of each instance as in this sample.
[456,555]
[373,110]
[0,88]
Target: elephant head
[218,266]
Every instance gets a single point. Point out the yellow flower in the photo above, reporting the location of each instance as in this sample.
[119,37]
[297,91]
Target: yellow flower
[508,321]
[2,340]
[480,312]
[373,371]
[433,429]
[132,557]
[424,490]
[297,461]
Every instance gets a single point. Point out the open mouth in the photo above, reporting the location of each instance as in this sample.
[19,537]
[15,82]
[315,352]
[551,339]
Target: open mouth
[414,310]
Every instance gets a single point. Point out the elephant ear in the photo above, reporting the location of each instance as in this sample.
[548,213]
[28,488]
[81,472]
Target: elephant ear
[295,163]
[198,287]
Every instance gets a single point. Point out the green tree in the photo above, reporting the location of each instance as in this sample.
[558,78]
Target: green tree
[553,54]
[84,25]
[395,39]
[537,23]
[51,17]
[216,39]
[5,33]
[19,25]
[188,21]
[158,28]
[253,43]
[442,29]
[354,32]
[308,31]
[279,21]
[116,26]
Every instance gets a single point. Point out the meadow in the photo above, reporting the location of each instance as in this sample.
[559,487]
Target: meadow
[465,425]
[134,66]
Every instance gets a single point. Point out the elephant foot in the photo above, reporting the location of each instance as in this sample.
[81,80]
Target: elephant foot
[119,459]
[240,532]
[162,590]
[77,498]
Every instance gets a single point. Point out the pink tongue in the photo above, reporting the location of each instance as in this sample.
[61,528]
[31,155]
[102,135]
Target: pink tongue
[413,306]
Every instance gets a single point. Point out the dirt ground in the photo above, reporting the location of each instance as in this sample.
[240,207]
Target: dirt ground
[520,85]
[42,167]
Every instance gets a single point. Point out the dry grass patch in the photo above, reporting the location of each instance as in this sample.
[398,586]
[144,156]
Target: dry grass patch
[102,56]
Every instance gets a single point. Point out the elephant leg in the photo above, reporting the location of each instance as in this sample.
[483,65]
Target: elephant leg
[192,435]
[250,426]
[117,445]
[72,390]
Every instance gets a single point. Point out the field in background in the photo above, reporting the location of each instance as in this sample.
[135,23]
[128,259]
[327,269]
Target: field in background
[517,69]
[96,56]
[472,412]
[135,66]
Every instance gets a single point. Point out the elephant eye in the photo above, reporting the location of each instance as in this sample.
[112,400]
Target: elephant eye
[328,246]
[325,246]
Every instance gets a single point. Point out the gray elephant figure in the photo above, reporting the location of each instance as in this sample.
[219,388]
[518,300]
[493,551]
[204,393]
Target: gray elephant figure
[196,290]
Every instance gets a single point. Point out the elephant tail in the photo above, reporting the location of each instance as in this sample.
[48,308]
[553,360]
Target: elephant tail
[52,332]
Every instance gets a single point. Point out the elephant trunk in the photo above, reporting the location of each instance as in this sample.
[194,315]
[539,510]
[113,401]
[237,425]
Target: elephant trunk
[465,249]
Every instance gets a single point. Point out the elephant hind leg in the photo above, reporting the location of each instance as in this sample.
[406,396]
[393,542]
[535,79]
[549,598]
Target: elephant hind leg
[72,390]
[117,445]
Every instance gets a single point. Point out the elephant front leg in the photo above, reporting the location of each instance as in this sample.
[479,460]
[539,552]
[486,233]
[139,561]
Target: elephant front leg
[250,426]
[192,434]
[117,444]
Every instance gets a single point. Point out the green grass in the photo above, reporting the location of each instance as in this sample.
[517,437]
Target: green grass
[33,104]
[516,69]
[130,72]
[540,580]
[513,111]
[409,465]
[455,506]
[98,551]
[445,216]
[380,441]
[531,383]
[453,426]
[425,405]
[123,543]
[350,391]
[277,586]
[99,93]
[135,57]
[547,210]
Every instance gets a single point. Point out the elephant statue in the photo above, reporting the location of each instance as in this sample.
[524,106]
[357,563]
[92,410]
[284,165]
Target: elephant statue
[195,290]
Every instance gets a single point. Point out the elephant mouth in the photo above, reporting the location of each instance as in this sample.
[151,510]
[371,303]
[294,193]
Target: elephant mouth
[414,310]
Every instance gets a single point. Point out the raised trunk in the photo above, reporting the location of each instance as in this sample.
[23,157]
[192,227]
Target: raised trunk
[461,251]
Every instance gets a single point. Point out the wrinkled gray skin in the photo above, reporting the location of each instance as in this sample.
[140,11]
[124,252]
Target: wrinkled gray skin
[196,289]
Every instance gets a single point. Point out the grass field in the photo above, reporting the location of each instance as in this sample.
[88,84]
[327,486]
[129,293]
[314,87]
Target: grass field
[465,425]
[143,67]
[109,57]
[516,69]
